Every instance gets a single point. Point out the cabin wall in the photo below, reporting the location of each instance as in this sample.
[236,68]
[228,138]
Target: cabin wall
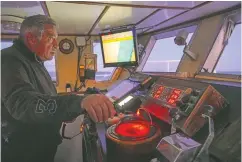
[66,66]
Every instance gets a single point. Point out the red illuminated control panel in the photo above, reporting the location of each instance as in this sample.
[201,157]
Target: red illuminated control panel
[166,95]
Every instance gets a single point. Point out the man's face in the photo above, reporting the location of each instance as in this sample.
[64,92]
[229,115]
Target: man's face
[47,46]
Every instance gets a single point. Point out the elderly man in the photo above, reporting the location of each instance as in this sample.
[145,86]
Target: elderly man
[32,111]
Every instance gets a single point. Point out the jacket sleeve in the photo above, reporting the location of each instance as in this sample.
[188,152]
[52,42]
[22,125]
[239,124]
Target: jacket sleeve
[27,105]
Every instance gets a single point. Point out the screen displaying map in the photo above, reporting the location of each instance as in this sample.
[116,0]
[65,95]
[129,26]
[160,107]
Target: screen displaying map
[119,47]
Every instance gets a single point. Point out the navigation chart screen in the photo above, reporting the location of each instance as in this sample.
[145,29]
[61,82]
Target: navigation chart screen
[119,47]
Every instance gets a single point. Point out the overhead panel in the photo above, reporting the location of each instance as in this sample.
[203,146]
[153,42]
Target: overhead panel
[157,3]
[208,9]
[172,33]
[119,16]
[22,9]
[13,14]
[74,18]
[161,15]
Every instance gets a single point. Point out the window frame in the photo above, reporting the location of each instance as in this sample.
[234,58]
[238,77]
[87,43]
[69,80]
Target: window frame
[156,36]
[115,68]
[232,77]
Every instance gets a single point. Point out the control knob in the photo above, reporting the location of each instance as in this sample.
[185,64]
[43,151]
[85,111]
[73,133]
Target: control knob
[185,98]
[195,92]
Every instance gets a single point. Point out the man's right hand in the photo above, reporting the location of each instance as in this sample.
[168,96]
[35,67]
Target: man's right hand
[99,107]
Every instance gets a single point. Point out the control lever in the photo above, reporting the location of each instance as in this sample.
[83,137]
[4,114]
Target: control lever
[203,155]
[174,116]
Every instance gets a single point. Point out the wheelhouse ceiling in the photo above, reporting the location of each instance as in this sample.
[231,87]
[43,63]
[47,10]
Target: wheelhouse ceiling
[92,17]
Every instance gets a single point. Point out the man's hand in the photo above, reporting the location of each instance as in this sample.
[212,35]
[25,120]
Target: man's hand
[99,107]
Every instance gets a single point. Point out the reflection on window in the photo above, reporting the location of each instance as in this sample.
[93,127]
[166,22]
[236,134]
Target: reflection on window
[165,56]
[230,60]
[102,74]
[6,44]
[49,65]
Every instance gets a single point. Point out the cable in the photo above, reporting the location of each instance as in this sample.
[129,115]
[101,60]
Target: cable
[80,51]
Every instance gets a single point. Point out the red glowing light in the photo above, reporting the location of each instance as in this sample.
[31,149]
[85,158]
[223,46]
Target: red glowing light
[156,96]
[177,91]
[171,101]
[158,111]
[161,88]
[133,129]
[158,92]
[174,96]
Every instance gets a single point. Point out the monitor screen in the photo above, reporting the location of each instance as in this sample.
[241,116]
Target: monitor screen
[121,89]
[119,49]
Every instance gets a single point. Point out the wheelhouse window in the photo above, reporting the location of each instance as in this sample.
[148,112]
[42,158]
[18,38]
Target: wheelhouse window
[230,59]
[49,65]
[51,68]
[166,55]
[224,58]
[6,44]
[102,73]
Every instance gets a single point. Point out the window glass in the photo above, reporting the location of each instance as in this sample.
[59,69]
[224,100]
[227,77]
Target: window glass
[6,44]
[230,60]
[102,73]
[165,55]
[50,67]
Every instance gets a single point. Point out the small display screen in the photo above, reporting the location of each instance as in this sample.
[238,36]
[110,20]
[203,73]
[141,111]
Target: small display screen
[121,89]
[124,101]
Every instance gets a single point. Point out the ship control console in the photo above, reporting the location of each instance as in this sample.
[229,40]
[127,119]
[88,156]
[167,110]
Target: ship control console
[160,118]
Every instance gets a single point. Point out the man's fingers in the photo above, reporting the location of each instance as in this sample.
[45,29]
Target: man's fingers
[99,112]
[92,114]
[99,107]
[110,106]
[106,113]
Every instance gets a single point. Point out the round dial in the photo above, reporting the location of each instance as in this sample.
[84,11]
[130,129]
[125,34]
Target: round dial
[66,46]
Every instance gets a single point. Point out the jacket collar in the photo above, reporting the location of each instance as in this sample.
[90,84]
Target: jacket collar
[19,44]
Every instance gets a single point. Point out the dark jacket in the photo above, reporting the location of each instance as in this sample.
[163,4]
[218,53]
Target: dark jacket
[31,107]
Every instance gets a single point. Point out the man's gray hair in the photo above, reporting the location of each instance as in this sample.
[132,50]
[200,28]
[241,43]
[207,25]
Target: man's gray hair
[35,24]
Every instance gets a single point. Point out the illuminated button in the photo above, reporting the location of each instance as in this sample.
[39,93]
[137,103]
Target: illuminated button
[158,92]
[156,96]
[176,91]
[171,101]
[174,96]
[161,88]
